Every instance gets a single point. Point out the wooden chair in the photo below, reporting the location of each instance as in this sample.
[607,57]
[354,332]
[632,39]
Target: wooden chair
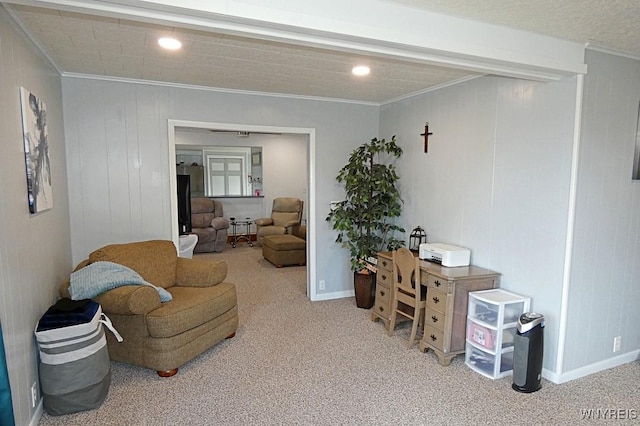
[408,298]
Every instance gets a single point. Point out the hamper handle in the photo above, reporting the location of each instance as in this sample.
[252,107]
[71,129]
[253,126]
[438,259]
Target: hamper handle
[107,322]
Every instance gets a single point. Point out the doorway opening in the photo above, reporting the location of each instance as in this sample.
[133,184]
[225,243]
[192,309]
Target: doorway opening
[310,136]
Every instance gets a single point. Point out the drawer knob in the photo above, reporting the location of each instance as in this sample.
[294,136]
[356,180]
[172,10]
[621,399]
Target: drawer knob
[384,277]
[436,300]
[382,293]
[434,318]
[384,263]
[381,309]
[433,338]
[437,283]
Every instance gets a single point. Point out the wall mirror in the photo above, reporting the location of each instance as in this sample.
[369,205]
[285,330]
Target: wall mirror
[218,170]
[221,171]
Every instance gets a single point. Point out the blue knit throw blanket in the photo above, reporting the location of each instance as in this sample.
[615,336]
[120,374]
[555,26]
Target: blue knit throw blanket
[99,277]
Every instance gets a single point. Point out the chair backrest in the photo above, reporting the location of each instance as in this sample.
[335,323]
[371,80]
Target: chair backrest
[204,210]
[156,261]
[202,205]
[286,210]
[406,271]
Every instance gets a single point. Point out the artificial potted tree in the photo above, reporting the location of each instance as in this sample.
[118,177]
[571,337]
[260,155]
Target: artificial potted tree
[365,219]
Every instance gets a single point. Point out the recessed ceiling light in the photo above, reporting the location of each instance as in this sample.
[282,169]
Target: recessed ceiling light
[169,43]
[361,70]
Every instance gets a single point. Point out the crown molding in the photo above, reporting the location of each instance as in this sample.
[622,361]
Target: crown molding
[19,26]
[213,89]
[431,89]
[602,49]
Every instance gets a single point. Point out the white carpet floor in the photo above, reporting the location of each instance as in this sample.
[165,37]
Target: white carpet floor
[296,362]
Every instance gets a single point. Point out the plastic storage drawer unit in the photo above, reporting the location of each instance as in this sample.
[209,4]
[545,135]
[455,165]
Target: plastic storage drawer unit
[491,326]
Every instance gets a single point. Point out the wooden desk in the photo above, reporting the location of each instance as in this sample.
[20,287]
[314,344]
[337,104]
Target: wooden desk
[447,296]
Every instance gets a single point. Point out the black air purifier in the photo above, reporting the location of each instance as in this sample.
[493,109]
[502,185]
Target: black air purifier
[527,353]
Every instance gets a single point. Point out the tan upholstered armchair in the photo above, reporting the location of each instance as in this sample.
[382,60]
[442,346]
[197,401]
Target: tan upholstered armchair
[286,216]
[164,336]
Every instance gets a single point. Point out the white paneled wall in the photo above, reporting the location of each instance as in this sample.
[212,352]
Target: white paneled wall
[285,172]
[605,279]
[35,250]
[495,179]
[119,163]
[534,141]
[119,189]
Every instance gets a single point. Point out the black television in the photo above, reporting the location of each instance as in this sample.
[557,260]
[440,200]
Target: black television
[184,204]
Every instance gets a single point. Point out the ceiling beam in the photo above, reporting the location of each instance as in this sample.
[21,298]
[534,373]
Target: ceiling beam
[360,26]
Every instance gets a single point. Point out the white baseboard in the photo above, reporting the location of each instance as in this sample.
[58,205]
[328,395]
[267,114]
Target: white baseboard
[592,368]
[334,295]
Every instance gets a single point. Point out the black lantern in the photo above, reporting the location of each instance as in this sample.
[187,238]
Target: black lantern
[417,237]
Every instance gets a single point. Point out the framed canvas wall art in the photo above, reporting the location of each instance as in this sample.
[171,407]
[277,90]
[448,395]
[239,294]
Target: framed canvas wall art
[36,152]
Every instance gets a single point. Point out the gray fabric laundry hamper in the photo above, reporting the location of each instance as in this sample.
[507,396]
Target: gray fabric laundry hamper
[75,370]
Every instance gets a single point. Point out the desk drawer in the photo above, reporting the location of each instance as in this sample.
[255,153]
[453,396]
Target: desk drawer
[383,302]
[382,308]
[434,337]
[383,294]
[384,263]
[439,283]
[384,278]
[436,300]
[434,319]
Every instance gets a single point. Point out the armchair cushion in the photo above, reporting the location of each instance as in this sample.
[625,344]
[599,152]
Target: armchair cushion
[190,305]
[202,205]
[202,220]
[144,259]
[200,273]
[264,221]
[286,214]
[285,219]
[219,223]
[129,300]
[126,300]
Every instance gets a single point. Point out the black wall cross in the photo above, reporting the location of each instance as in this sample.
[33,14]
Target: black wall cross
[426,136]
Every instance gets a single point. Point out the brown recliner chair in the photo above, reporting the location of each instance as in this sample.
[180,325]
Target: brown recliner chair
[286,216]
[209,225]
[164,336]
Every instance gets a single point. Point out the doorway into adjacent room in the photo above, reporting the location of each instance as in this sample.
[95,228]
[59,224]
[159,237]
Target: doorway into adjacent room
[303,135]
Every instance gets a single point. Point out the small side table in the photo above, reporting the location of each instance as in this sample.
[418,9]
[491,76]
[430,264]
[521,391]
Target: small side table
[242,225]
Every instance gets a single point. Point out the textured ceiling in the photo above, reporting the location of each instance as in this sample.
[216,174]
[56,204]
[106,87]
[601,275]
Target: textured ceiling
[87,44]
[102,46]
[608,23]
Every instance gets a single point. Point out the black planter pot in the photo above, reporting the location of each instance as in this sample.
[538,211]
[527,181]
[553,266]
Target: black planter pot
[365,289]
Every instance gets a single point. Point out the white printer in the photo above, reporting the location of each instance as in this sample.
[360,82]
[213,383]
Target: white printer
[445,254]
